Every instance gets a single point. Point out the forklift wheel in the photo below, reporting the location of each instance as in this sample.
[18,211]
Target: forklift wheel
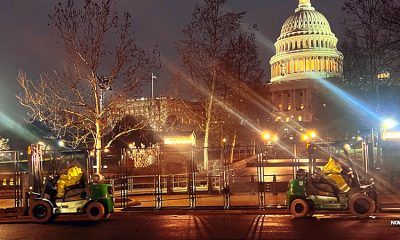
[41,211]
[299,208]
[95,211]
[361,205]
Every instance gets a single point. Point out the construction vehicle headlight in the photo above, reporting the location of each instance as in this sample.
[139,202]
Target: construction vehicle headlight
[98,178]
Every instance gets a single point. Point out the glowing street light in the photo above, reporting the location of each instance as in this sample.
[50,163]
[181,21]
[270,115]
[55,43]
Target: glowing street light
[309,136]
[389,124]
[266,135]
[61,143]
[313,134]
[305,137]
[269,137]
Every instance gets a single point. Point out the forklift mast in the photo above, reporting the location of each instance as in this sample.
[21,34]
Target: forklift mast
[35,164]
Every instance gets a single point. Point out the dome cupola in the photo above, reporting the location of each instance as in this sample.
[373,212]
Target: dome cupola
[306,46]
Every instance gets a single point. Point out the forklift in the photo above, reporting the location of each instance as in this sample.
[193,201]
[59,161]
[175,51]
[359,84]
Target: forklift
[309,192]
[89,196]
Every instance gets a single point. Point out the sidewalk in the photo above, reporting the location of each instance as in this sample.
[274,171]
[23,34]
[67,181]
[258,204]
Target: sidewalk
[204,201]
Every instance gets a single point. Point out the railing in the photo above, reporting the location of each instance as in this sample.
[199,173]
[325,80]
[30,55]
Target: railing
[179,183]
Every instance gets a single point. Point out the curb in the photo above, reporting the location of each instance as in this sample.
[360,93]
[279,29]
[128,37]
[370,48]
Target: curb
[268,211]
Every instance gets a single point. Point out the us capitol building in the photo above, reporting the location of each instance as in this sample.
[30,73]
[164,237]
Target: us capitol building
[305,50]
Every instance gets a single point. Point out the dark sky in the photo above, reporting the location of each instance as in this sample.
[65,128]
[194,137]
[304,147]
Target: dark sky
[26,42]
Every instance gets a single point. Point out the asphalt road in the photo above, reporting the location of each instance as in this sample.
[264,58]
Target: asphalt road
[206,226]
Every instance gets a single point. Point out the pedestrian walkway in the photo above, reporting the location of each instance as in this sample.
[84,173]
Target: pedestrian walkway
[205,200]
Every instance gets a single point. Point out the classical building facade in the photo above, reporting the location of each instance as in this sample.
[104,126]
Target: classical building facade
[162,114]
[305,51]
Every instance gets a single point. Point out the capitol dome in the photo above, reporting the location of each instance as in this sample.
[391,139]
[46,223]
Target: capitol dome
[305,47]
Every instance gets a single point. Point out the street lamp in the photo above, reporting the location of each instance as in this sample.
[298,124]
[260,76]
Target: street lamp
[389,124]
[61,143]
[310,148]
[309,136]
[104,85]
[383,75]
[266,136]
[269,137]
[152,84]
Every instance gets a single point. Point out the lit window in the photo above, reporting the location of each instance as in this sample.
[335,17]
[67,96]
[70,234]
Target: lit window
[288,119]
[289,107]
[302,106]
[300,118]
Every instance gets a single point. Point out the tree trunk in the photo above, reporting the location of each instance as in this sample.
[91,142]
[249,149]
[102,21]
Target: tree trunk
[98,145]
[208,122]
[207,131]
[233,147]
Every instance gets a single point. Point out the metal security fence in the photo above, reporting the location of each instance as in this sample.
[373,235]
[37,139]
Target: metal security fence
[176,180]
[236,177]
[11,184]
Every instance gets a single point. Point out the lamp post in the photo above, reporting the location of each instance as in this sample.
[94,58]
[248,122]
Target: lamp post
[152,84]
[381,77]
[311,149]
[104,85]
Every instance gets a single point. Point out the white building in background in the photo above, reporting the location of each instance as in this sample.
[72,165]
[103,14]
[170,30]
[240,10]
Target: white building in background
[162,114]
[305,50]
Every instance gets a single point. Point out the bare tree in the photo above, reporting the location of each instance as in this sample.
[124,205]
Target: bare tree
[371,47]
[391,22]
[104,67]
[242,74]
[368,43]
[206,40]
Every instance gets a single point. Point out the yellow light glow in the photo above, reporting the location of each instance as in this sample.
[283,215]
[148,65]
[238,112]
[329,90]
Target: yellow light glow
[389,124]
[106,150]
[266,135]
[61,143]
[391,136]
[347,147]
[276,138]
[313,134]
[189,140]
[305,137]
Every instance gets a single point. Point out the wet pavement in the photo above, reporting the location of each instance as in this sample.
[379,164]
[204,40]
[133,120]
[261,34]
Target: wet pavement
[206,225]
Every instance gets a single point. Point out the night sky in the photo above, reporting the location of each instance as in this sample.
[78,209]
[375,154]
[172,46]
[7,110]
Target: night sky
[26,42]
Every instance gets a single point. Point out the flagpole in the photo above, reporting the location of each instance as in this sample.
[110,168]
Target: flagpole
[152,84]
